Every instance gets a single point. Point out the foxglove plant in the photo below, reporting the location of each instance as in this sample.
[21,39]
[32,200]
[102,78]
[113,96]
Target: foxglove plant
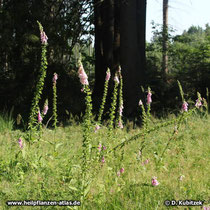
[121,171]
[99,147]
[149,101]
[97,127]
[87,128]
[39,117]
[207,100]
[198,103]
[103,160]
[205,104]
[144,114]
[120,125]
[114,103]
[44,37]
[185,106]
[184,103]
[144,132]
[82,75]
[181,91]
[178,122]
[40,84]
[145,162]
[155,181]
[20,142]
[116,79]
[140,102]
[54,80]
[45,108]
[119,120]
[101,110]
[149,97]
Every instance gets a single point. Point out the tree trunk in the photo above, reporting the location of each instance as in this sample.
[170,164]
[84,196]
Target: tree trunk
[120,40]
[106,43]
[165,38]
[132,51]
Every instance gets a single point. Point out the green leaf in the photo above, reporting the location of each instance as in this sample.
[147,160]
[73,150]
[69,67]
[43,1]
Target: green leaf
[34,165]
[73,188]
[58,145]
[24,153]
[86,191]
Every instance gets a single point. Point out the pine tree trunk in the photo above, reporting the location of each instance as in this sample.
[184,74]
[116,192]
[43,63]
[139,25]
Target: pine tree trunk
[120,40]
[132,51]
[165,38]
[106,43]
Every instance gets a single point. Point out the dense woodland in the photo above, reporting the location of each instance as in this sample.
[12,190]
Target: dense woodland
[106,34]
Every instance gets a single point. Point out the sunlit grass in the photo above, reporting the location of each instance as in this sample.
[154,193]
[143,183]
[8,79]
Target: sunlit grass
[50,171]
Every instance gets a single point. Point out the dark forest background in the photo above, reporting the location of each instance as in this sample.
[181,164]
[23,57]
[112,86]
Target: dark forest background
[105,34]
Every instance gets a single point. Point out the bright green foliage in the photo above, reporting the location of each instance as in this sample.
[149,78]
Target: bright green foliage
[189,63]
[55,172]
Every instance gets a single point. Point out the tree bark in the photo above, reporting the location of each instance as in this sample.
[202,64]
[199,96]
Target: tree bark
[106,43]
[165,38]
[132,51]
[120,40]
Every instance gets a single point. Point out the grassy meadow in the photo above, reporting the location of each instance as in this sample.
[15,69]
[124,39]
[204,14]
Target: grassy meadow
[50,169]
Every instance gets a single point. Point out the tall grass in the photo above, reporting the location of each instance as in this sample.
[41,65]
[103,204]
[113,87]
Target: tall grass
[6,121]
[51,172]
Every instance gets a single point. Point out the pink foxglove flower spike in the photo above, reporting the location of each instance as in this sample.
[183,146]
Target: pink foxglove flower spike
[39,117]
[108,75]
[120,125]
[97,128]
[149,98]
[20,142]
[45,109]
[198,103]
[82,75]
[140,103]
[121,110]
[99,147]
[145,162]
[154,181]
[185,106]
[44,37]
[122,170]
[55,77]
[116,79]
